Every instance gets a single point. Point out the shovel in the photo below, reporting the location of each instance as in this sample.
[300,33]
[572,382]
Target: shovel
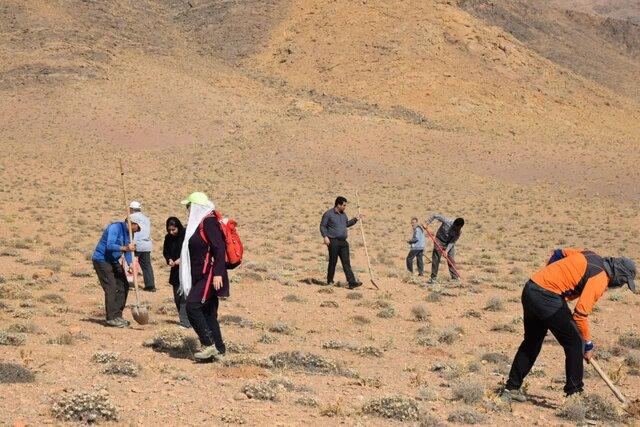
[633,408]
[364,241]
[140,313]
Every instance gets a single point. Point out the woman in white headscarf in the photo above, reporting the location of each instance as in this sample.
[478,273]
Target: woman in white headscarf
[203,275]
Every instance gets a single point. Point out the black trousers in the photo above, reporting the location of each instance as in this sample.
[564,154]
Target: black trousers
[181,306]
[339,248]
[144,258]
[418,255]
[115,285]
[435,260]
[204,320]
[536,325]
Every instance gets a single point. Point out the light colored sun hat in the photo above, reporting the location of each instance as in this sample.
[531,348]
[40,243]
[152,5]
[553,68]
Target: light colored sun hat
[135,205]
[197,198]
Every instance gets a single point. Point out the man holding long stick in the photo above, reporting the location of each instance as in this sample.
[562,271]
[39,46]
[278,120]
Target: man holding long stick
[333,228]
[445,240]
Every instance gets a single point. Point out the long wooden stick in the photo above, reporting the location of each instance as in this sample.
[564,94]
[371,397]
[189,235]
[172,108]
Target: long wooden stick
[607,380]
[364,241]
[133,255]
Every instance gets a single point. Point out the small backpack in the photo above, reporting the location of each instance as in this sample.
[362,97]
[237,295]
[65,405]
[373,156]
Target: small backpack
[233,255]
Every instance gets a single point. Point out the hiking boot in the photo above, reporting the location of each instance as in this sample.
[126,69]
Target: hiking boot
[116,323]
[355,284]
[126,322]
[206,353]
[512,396]
[432,281]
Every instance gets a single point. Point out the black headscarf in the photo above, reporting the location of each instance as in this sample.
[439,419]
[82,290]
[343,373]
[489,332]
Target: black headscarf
[173,244]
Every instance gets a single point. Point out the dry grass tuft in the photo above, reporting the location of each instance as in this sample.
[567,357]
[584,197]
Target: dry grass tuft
[86,407]
[468,392]
[397,407]
[466,415]
[419,313]
[124,367]
[12,373]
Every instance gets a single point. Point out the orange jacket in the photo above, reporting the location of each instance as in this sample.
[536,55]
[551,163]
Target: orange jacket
[580,274]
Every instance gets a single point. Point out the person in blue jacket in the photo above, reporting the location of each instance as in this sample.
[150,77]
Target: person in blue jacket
[106,262]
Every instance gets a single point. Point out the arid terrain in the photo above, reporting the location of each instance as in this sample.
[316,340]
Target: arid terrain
[520,116]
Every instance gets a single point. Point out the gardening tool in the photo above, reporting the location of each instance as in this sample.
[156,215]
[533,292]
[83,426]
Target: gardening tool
[364,240]
[140,313]
[442,251]
[607,380]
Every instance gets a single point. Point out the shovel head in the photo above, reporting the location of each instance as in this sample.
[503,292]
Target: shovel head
[140,314]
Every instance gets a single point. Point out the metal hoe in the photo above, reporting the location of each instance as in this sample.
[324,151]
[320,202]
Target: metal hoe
[442,251]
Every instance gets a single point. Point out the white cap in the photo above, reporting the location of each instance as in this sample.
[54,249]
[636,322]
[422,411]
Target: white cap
[135,205]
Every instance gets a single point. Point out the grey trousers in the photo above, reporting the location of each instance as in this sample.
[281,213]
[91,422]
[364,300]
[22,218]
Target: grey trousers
[144,258]
[435,260]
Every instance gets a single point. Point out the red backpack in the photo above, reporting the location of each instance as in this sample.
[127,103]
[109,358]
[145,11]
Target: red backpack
[233,255]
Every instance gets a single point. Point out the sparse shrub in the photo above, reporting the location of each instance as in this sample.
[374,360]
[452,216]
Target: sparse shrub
[434,297]
[232,418]
[293,298]
[573,409]
[386,313]
[166,309]
[9,338]
[369,350]
[497,358]
[632,359]
[105,356]
[124,367]
[86,407]
[426,393]
[307,401]
[24,328]
[616,297]
[12,373]
[450,335]
[81,273]
[327,290]
[332,409]
[494,304]
[360,320]
[354,295]
[240,348]
[504,327]
[446,371]
[51,298]
[430,420]
[280,328]
[419,313]
[268,339]
[472,314]
[262,390]
[601,409]
[229,319]
[629,339]
[331,304]
[68,338]
[173,342]
[307,362]
[468,392]
[339,345]
[398,408]
[466,415]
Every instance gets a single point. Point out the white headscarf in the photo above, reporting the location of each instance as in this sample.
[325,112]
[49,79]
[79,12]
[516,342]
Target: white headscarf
[196,214]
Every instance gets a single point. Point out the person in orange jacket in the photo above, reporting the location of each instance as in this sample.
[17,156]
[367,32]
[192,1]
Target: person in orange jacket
[570,274]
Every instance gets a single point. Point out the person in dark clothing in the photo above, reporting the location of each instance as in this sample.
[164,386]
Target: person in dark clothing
[447,235]
[171,251]
[333,228]
[417,247]
[570,274]
[203,275]
[106,262]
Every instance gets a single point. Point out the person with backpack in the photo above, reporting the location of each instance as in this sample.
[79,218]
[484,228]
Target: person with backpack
[203,274]
[113,243]
[417,247]
[171,250]
[570,274]
[333,228]
[445,240]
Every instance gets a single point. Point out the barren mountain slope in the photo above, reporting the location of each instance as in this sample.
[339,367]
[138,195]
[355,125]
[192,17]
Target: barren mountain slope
[274,108]
[620,9]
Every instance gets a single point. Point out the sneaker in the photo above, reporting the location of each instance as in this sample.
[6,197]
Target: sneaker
[432,281]
[355,284]
[116,323]
[512,396]
[328,283]
[206,353]
[183,327]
